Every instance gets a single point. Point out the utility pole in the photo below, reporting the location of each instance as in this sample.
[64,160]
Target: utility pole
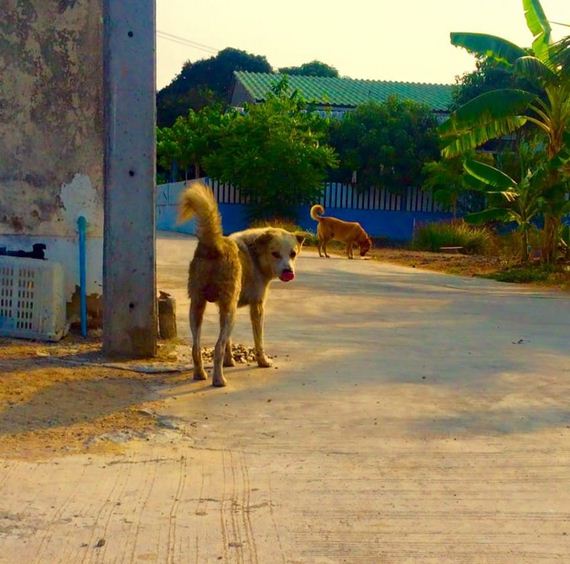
[129,268]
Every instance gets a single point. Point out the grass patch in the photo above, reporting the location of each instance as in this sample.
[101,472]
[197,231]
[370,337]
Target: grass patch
[433,236]
[528,274]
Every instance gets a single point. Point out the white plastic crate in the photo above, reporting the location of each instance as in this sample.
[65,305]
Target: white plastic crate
[32,299]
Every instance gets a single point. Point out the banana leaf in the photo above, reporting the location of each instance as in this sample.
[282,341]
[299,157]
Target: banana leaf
[534,69]
[487,107]
[489,175]
[478,135]
[539,27]
[485,45]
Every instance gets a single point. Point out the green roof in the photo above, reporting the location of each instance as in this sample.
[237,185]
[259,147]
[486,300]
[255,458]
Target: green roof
[347,92]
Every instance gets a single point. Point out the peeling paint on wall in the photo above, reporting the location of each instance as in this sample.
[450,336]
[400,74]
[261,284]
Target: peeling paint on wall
[79,197]
[51,130]
[51,117]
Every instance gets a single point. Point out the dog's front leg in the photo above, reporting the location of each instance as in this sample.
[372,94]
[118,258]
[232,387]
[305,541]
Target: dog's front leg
[197,308]
[256,312]
[227,314]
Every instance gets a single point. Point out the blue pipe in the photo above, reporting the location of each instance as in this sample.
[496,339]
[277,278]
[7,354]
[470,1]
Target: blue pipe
[82,228]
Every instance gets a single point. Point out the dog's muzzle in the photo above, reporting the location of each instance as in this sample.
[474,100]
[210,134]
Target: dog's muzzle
[286,276]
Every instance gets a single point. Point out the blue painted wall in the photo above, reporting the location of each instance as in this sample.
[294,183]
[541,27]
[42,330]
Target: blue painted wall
[394,225]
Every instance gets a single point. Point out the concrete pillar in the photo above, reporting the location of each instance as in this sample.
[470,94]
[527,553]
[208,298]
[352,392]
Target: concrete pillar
[129,271]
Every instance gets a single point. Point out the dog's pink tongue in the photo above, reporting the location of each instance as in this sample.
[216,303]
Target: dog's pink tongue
[287,276]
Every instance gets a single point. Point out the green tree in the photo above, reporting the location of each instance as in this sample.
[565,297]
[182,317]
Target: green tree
[191,139]
[386,143]
[314,68]
[171,106]
[274,153]
[205,82]
[489,75]
[499,112]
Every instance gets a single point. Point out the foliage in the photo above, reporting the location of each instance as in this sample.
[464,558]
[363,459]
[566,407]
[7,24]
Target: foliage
[386,143]
[191,139]
[519,201]
[500,112]
[509,201]
[489,75]
[434,236]
[525,274]
[314,68]
[450,185]
[205,82]
[274,153]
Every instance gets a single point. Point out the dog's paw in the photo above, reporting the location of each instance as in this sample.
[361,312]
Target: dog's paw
[264,362]
[219,382]
[228,362]
[200,375]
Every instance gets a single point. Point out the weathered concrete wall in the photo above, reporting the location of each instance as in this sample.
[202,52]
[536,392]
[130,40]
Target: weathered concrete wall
[51,128]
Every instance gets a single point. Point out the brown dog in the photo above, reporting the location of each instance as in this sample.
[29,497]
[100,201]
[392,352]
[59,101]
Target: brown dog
[233,272]
[349,232]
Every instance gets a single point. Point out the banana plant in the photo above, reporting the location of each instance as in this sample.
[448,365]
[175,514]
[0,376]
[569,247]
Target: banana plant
[500,112]
[509,201]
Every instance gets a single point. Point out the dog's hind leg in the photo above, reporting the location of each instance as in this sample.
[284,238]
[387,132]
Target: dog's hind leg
[349,250]
[228,356]
[227,315]
[257,314]
[197,308]
[320,239]
[325,248]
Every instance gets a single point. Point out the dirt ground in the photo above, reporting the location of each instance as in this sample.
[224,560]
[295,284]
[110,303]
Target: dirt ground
[457,263]
[51,405]
[64,398]
[463,265]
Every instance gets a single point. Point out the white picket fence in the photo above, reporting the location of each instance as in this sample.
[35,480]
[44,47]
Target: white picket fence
[339,195]
[380,211]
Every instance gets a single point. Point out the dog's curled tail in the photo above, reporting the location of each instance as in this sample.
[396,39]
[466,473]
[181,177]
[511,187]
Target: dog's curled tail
[316,211]
[198,200]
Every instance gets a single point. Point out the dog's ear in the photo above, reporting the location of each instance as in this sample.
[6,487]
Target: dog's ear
[263,239]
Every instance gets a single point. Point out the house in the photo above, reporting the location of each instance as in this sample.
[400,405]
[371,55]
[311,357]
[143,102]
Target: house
[382,213]
[340,95]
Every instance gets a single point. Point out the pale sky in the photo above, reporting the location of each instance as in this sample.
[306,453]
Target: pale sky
[405,40]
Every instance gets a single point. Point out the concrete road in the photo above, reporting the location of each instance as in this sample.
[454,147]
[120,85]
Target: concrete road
[410,417]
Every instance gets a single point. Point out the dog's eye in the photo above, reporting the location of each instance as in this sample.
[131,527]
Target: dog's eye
[276,254]
[293,254]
